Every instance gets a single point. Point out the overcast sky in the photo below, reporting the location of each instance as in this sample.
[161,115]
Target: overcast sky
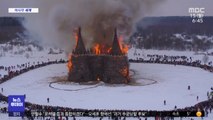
[180,7]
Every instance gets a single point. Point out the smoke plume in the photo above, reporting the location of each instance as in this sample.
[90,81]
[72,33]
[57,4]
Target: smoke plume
[57,19]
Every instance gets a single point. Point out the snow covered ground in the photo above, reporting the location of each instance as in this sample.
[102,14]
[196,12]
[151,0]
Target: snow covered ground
[35,84]
[172,82]
[11,58]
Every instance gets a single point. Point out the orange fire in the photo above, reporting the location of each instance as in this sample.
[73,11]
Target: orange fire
[69,64]
[124,47]
[76,37]
[97,49]
[109,50]
[101,49]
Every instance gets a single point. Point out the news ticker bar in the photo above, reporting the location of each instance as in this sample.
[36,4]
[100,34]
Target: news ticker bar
[23,10]
[112,114]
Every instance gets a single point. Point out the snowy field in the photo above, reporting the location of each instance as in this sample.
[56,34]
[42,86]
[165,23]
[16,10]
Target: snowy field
[12,58]
[171,85]
[172,82]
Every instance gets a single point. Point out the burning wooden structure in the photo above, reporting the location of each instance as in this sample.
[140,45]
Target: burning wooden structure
[110,66]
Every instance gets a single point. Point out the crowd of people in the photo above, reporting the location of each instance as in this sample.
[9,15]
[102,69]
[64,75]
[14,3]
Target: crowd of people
[14,71]
[161,59]
[175,60]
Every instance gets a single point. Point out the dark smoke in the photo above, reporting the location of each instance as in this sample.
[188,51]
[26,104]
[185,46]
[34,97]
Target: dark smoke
[58,18]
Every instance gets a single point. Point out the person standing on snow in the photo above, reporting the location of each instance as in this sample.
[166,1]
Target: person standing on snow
[48,100]
[189,87]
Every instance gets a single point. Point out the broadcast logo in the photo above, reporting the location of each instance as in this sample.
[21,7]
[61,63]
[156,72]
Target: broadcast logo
[16,105]
[197,14]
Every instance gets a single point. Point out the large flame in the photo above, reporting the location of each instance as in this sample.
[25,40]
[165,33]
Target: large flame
[69,64]
[101,49]
[124,47]
[97,49]
[76,37]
